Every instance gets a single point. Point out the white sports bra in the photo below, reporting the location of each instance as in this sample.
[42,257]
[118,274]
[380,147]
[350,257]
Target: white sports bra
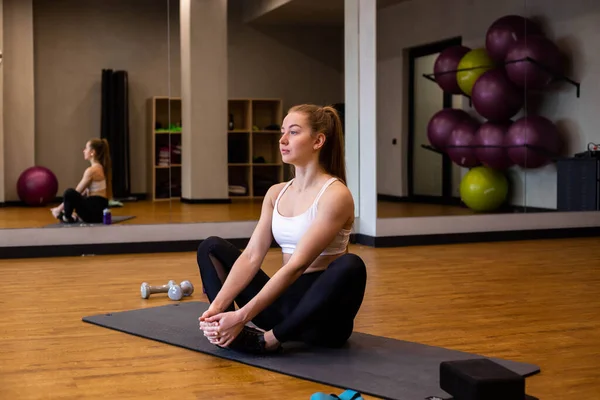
[288,231]
[97,185]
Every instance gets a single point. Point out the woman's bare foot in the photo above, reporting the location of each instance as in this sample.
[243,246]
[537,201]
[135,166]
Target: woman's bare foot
[55,212]
[271,342]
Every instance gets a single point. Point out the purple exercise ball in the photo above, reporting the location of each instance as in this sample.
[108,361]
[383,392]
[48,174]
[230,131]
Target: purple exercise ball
[504,32]
[527,74]
[495,97]
[442,123]
[536,131]
[37,186]
[463,137]
[445,68]
[490,137]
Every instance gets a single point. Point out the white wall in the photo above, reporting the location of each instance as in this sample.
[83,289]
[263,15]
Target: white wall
[18,92]
[392,123]
[255,8]
[573,25]
[74,41]
[273,66]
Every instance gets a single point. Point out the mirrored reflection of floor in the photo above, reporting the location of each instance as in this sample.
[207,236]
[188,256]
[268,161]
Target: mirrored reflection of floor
[390,209]
[145,212]
[164,212]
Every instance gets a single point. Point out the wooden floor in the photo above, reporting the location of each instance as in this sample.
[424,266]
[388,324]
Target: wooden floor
[162,212]
[536,302]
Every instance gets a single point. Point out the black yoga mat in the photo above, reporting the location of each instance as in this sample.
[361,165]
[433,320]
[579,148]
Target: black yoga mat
[115,220]
[372,365]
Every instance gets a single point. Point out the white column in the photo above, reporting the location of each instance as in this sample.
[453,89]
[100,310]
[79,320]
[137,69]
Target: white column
[351,77]
[361,109]
[204,99]
[2,200]
[18,102]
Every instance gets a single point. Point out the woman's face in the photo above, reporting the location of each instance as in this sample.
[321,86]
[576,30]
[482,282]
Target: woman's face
[88,152]
[297,144]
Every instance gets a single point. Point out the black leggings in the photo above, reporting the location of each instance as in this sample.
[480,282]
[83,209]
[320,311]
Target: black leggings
[318,308]
[89,209]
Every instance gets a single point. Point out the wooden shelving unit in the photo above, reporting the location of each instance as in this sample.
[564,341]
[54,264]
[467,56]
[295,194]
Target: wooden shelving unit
[253,158]
[164,156]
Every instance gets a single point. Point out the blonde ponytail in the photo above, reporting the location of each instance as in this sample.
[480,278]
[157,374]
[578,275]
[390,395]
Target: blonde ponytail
[334,158]
[107,165]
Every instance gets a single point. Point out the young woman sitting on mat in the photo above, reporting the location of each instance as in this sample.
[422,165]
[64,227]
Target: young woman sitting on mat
[316,294]
[90,197]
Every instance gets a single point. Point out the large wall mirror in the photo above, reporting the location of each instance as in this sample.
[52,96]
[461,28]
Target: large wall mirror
[77,70]
[454,118]
[486,108]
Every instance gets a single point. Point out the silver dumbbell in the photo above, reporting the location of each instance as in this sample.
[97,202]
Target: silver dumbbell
[146,290]
[184,289]
[174,291]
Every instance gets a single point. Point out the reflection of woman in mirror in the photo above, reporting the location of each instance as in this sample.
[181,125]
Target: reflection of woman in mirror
[89,199]
[316,294]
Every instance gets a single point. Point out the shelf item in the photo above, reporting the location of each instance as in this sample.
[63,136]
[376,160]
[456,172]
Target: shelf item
[164,149]
[253,158]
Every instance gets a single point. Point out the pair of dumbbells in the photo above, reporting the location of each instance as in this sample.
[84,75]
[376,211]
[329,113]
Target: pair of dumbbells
[174,291]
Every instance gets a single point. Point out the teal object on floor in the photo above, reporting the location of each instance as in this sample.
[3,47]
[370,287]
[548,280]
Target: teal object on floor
[346,395]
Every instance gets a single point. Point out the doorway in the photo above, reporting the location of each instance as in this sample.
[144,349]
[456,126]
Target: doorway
[429,173]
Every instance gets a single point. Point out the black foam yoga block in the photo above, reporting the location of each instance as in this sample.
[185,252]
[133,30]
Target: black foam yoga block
[480,379]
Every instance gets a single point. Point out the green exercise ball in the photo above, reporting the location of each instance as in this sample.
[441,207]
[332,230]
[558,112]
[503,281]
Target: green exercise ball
[484,189]
[471,66]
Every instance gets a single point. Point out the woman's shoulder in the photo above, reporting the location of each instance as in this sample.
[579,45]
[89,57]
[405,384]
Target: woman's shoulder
[338,204]
[274,191]
[338,193]
[96,171]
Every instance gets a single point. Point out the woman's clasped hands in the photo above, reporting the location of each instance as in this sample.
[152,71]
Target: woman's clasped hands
[222,328]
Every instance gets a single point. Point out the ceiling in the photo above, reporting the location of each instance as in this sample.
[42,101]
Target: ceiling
[312,13]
